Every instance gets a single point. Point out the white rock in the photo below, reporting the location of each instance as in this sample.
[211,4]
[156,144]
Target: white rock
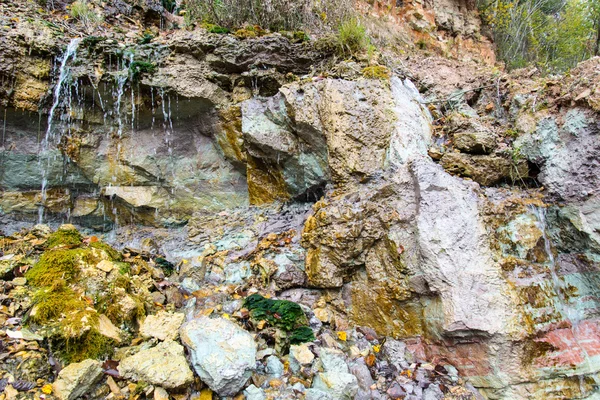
[222,353]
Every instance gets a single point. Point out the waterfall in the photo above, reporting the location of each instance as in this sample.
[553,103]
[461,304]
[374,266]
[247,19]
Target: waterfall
[63,76]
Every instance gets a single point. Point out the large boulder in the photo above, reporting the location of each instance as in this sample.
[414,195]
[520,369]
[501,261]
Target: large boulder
[222,354]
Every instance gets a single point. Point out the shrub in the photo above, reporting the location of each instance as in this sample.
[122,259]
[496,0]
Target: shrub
[274,15]
[83,12]
[352,37]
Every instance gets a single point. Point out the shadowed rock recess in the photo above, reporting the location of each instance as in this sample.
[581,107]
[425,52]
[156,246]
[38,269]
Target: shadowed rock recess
[188,213]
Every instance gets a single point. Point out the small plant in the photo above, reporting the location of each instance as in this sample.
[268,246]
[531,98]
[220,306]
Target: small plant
[137,68]
[352,37]
[146,38]
[84,13]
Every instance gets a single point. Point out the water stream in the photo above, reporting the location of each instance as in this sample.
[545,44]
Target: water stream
[63,80]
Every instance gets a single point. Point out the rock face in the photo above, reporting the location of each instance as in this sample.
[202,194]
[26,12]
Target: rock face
[164,365]
[77,379]
[222,354]
[162,326]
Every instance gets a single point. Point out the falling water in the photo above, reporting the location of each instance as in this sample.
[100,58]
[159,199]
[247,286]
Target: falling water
[64,74]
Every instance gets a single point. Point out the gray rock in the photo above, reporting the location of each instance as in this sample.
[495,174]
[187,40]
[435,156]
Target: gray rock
[254,393]
[76,379]
[274,367]
[164,365]
[336,378]
[317,394]
[222,354]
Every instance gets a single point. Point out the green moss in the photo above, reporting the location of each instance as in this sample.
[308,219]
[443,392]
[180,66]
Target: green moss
[55,267]
[302,334]
[91,345]
[377,72]
[51,303]
[64,237]
[283,314]
[112,253]
[212,28]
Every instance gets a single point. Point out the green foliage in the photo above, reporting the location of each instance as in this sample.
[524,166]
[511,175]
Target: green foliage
[212,28]
[146,38]
[170,5]
[55,268]
[64,238]
[352,37]
[84,13]
[302,334]
[137,68]
[275,15]
[553,34]
[283,314]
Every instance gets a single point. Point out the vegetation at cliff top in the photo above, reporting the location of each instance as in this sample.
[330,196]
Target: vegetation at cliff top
[554,35]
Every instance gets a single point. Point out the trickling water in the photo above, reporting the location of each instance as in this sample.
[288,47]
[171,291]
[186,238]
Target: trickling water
[63,77]
[64,72]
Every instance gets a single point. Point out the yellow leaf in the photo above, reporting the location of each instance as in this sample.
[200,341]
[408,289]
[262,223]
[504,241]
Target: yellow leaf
[376,348]
[47,389]
[342,336]
[226,316]
[206,394]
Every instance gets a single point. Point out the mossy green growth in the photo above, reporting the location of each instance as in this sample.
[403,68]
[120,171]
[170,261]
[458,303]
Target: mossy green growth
[55,267]
[283,314]
[377,72]
[137,68]
[91,345]
[64,237]
[51,303]
[112,253]
[212,28]
[302,334]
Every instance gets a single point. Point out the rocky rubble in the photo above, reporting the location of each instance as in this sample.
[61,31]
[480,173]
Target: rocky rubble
[231,348]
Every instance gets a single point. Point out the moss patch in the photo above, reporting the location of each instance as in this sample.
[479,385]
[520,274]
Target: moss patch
[64,237]
[302,335]
[112,253]
[377,72]
[52,303]
[91,345]
[55,267]
[283,314]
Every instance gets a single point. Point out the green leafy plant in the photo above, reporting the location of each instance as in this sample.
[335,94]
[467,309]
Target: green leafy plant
[352,37]
[82,11]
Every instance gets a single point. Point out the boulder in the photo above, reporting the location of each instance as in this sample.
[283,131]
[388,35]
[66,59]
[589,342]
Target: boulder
[77,379]
[479,142]
[222,354]
[164,365]
[485,169]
